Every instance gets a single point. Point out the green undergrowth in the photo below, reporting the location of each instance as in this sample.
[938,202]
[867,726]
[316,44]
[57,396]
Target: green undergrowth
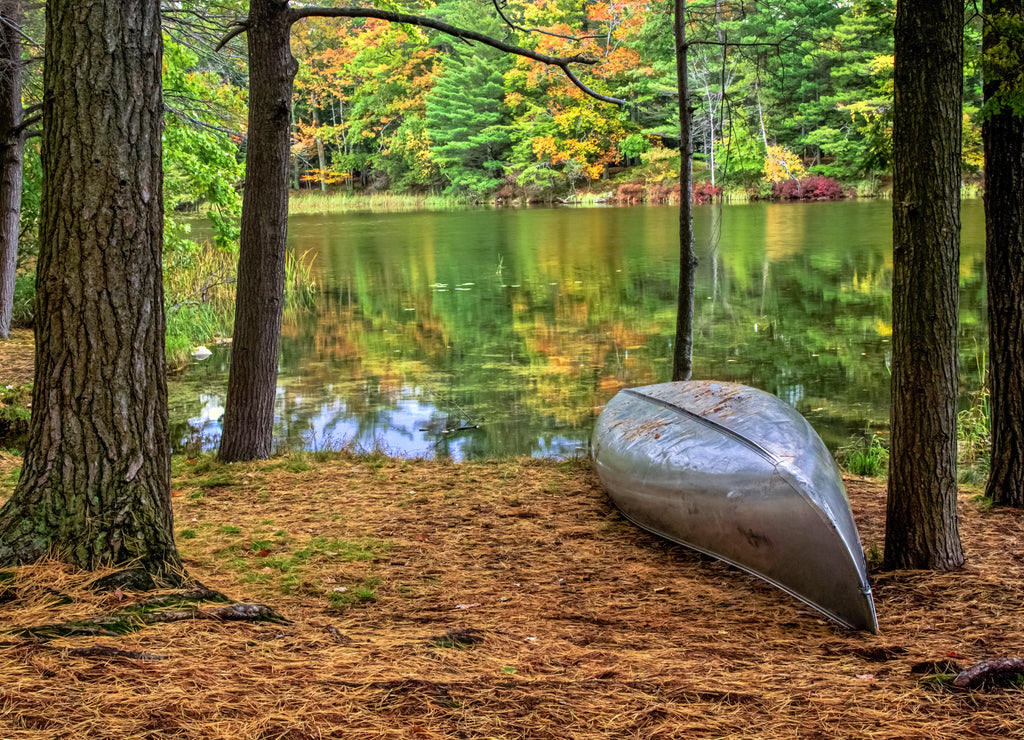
[15,401]
[866,456]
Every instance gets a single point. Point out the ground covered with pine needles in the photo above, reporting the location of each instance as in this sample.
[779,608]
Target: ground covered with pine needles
[502,599]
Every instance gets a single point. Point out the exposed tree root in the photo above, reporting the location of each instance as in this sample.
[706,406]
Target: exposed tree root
[995,672]
[134,618]
[106,651]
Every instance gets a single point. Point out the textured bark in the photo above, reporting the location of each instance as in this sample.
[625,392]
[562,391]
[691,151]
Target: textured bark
[252,383]
[921,522]
[682,354]
[95,484]
[12,147]
[1003,133]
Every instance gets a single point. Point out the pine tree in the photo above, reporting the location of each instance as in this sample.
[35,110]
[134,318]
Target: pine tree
[466,122]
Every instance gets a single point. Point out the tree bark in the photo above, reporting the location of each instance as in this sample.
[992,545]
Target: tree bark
[95,484]
[1003,134]
[252,382]
[921,522]
[12,148]
[682,353]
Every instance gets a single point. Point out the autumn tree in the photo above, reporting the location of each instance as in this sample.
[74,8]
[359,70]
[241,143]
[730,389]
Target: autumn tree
[921,519]
[95,483]
[1003,133]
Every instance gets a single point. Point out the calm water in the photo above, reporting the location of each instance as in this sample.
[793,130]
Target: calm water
[522,323]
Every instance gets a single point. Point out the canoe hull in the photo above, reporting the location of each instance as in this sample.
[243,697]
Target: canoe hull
[737,474]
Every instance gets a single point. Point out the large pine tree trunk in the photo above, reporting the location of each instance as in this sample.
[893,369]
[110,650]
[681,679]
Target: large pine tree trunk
[1003,133]
[95,485]
[12,147]
[252,383]
[682,354]
[921,522]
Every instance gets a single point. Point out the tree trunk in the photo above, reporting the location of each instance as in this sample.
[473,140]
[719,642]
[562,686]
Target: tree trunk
[682,354]
[320,153]
[921,522]
[12,148]
[252,383]
[1003,133]
[95,484]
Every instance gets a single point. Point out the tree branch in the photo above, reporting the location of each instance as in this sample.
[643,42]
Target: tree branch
[460,33]
[238,29]
[26,122]
[515,27]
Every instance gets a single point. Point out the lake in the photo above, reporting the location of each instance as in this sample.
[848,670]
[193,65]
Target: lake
[485,333]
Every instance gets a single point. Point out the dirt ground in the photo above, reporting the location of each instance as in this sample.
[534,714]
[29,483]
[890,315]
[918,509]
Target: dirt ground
[503,599]
[17,354]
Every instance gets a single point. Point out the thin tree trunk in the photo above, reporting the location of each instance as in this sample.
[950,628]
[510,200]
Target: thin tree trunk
[921,522]
[12,148]
[252,383]
[1003,133]
[95,484]
[682,355]
[320,154]
[760,117]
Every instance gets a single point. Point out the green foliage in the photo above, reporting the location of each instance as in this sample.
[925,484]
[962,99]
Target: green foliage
[15,413]
[467,125]
[1003,61]
[23,311]
[31,208]
[202,168]
[867,456]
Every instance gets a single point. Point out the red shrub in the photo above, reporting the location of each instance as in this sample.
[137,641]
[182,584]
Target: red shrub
[631,193]
[822,188]
[813,188]
[663,194]
[705,192]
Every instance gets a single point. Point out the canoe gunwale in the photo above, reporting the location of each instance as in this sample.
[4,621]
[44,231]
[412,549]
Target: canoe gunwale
[865,590]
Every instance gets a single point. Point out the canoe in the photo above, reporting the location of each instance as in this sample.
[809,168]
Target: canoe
[738,474]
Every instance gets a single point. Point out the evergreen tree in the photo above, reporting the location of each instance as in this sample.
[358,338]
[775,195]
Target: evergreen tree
[466,122]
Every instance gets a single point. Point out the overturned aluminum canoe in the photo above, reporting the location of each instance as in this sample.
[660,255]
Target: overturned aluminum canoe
[740,475]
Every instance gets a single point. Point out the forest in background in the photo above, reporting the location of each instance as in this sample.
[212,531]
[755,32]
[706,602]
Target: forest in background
[791,99]
[799,90]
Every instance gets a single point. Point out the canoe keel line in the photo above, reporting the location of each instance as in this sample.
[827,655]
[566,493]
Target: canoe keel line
[738,474]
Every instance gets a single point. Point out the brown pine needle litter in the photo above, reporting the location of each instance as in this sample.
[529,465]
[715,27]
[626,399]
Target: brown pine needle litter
[502,599]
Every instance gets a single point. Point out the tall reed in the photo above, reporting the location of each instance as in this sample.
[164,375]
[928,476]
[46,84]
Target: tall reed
[343,202]
[199,289]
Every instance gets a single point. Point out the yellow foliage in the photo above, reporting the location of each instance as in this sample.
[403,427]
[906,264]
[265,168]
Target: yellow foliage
[782,164]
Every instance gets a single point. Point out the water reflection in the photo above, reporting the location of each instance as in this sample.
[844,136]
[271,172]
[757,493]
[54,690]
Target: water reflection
[483,333]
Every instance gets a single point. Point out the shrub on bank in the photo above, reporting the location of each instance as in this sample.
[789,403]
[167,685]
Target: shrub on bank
[809,188]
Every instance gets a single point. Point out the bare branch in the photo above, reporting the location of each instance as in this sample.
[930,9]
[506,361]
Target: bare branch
[198,123]
[26,122]
[238,29]
[515,27]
